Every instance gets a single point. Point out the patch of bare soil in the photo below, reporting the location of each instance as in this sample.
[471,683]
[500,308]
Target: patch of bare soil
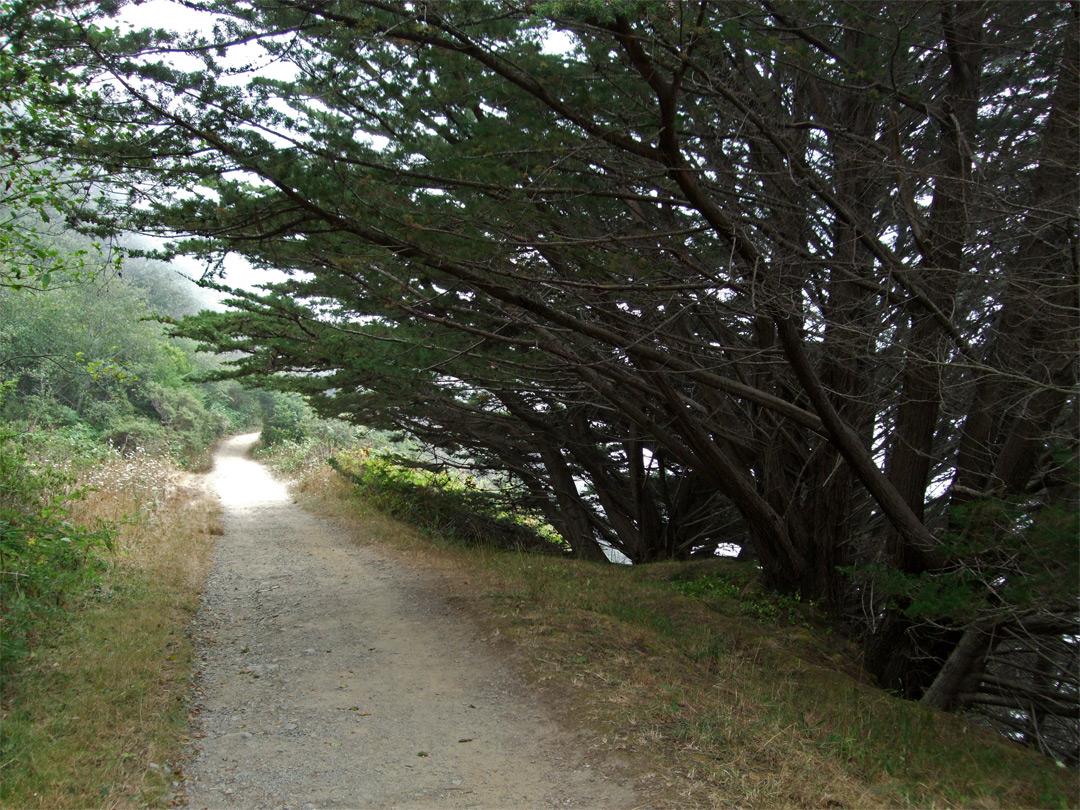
[334,676]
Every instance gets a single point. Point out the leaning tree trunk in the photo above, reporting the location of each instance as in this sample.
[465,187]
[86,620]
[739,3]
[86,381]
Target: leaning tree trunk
[1031,365]
[902,653]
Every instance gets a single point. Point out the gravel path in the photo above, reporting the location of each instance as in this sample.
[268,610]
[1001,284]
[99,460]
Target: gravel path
[334,677]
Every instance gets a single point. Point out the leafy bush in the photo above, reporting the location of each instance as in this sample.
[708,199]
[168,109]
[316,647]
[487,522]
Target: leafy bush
[190,424]
[323,439]
[240,408]
[42,411]
[438,502]
[70,448]
[287,421]
[44,560]
[128,433]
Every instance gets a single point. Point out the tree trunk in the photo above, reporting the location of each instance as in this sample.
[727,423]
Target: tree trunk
[576,526]
[966,657]
[911,450]
[1032,361]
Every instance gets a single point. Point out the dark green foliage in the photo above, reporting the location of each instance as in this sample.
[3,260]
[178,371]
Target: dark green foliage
[436,502]
[286,420]
[1005,558]
[181,410]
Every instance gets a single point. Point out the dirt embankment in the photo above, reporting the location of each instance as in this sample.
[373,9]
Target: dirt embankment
[334,676]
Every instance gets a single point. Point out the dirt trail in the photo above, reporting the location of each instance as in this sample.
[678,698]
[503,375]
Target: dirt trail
[334,677]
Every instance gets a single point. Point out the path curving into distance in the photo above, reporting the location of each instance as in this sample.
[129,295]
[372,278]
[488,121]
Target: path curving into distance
[333,676]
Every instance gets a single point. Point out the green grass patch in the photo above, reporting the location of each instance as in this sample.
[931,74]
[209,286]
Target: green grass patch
[87,717]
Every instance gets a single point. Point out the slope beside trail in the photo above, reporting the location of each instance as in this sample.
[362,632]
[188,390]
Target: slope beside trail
[332,676]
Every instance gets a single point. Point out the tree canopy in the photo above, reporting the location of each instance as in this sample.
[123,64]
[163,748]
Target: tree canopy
[801,277]
[36,191]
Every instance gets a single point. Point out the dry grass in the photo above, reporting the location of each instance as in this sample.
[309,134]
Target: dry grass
[710,705]
[99,710]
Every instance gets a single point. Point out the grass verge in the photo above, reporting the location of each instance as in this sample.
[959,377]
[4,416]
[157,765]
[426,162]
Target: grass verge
[721,695]
[93,716]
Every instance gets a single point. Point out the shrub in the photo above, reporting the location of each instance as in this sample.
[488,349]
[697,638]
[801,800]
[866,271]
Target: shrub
[190,425]
[45,560]
[287,420]
[436,501]
[130,433]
